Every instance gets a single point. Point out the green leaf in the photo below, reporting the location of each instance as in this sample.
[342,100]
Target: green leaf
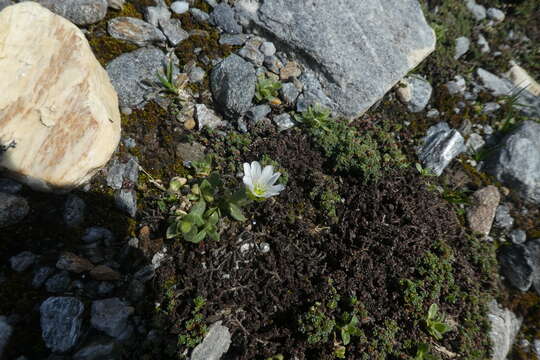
[175,184]
[419,168]
[189,236]
[345,336]
[215,180]
[207,190]
[192,197]
[172,230]
[214,217]
[162,206]
[214,235]
[236,212]
[185,226]
[194,219]
[199,208]
[432,312]
[199,237]
[441,327]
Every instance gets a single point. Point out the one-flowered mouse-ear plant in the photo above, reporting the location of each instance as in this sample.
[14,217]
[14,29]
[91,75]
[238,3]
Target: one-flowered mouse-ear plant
[211,199]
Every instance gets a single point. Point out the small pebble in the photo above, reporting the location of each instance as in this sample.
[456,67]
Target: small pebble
[179,7]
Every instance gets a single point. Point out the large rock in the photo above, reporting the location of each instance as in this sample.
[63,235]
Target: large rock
[80,12]
[133,75]
[516,162]
[233,85]
[58,110]
[358,49]
[504,328]
[61,321]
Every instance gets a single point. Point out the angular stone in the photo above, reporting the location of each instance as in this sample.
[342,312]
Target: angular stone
[22,261]
[13,209]
[104,273]
[71,262]
[126,201]
[520,78]
[223,17]
[214,345]
[533,248]
[58,283]
[134,30]
[481,214]
[457,86]
[505,326]
[116,4]
[172,29]
[516,266]
[80,12]
[478,11]
[462,46]
[441,146]
[155,14]
[41,275]
[289,93]
[384,39]
[495,14]
[516,161]
[257,113]
[180,7]
[233,85]
[61,322]
[503,218]
[111,316]
[131,72]
[206,117]
[283,122]
[59,108]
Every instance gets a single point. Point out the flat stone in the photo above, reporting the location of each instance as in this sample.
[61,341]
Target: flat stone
[233,39]
[73,263]
[516,266]
[462,46]
[134,30]
[63,118]
[289,93]
[207,117]
[131,74]
[61,322]
[196,74]
[74,209]
[97,350]
[257,113]
[385,39]
[180,7]
[214,345]
[478,11]
[80,12]
[505,326]
[416,93]
[13,209]
[111,316]
[22,261]
[104,273]
[223,17]
[5,333]
[268,48]
[251,53]
[283,122]
[199,15]
[313,93]
[119,172]
[172,29]
[516,161]
[273,64]
[481,214]
[233,86]
[440,146]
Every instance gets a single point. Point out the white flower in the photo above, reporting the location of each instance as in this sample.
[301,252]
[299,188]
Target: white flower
[261,183]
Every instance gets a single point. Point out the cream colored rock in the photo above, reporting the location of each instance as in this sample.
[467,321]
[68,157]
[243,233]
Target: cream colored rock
[520,78]
[57,105]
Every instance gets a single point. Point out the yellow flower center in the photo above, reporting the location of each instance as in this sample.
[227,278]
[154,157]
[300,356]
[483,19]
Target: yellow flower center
[259,190]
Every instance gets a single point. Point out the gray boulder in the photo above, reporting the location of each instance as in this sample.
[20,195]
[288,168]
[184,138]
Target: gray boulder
[440,146]
[5,334]
[215,343]
[112,317]
[61,322]
[13,209]
[516,162]
[233,85]
[516,266]
[358,49]
[80,12]
[133,74]
[504,328]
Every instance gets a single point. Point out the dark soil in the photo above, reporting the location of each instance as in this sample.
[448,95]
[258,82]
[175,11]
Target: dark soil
[383,233]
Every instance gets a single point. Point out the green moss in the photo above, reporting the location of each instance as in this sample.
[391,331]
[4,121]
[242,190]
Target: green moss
[107,48]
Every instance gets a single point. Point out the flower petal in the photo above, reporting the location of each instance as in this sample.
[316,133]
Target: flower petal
[266,174]
[255,170]
[276,188]
[247,169]
[274,178]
